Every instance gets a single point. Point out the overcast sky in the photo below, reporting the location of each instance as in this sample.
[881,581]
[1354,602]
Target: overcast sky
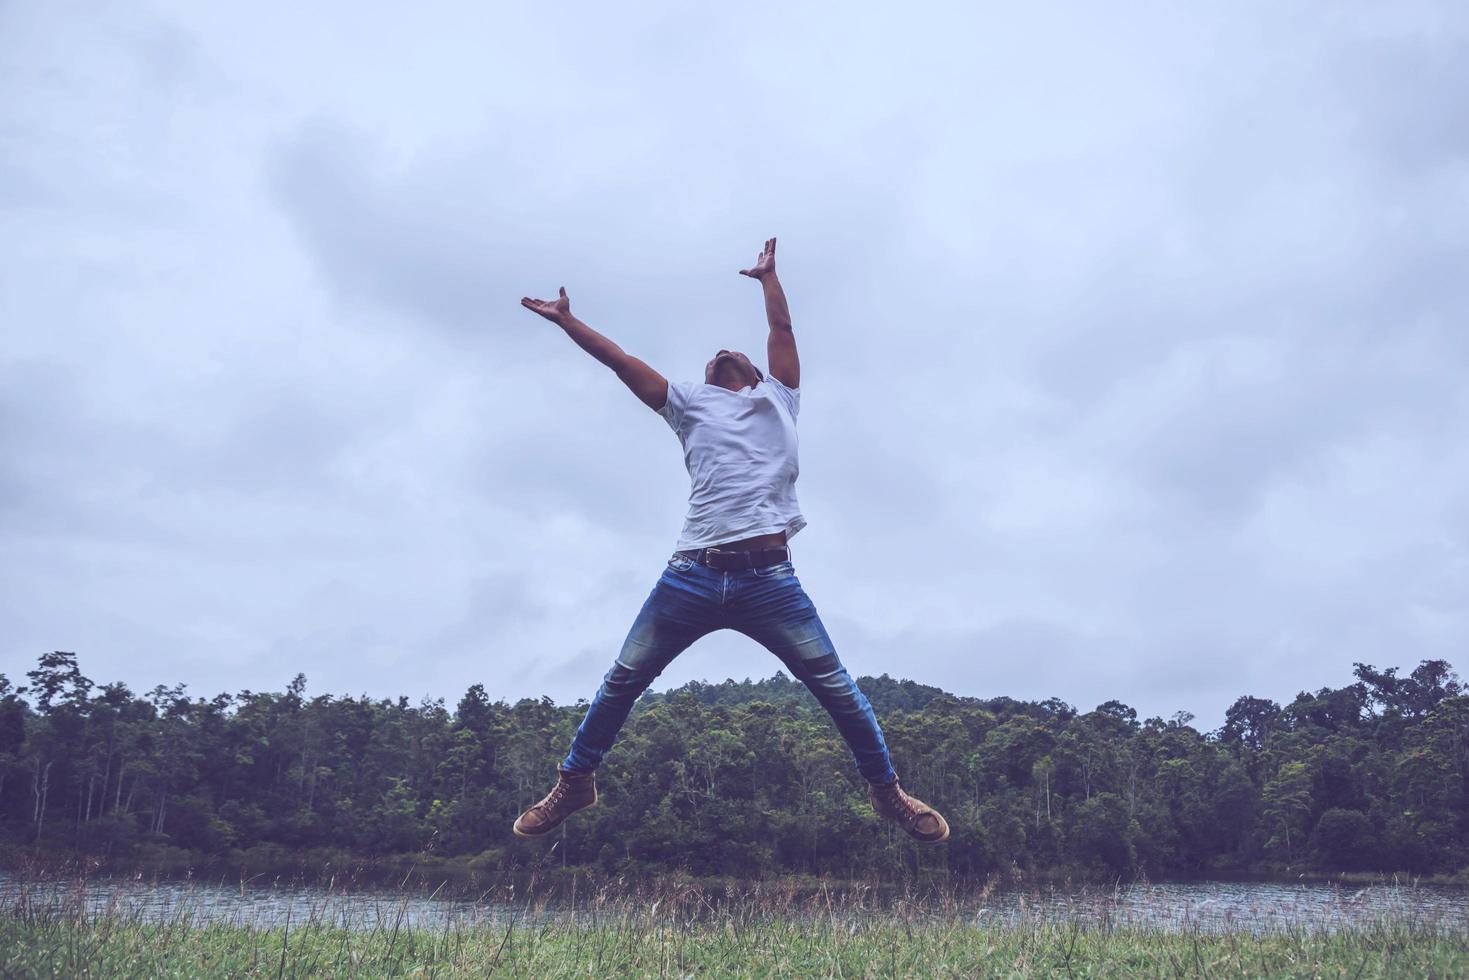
[1133,342]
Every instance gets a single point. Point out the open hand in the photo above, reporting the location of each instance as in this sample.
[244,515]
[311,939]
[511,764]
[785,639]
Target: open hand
[554,310]
[764,264]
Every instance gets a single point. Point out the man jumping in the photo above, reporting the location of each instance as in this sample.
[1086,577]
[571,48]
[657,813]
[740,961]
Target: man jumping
[731,568]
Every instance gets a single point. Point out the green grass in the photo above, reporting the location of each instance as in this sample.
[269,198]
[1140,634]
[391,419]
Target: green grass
[614,937]
[109,947]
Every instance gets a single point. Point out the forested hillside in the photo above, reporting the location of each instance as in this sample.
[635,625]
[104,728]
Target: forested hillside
[742,778]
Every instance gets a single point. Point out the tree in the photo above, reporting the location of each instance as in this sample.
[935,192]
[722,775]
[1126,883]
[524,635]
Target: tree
[747,777]
[1250,722]
[1343,840]
[1100,834]
[1286,810]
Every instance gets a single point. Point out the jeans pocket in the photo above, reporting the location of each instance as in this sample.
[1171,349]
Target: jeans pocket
[776,570]
[680,563]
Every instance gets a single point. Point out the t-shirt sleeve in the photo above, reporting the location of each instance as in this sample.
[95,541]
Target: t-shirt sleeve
[789,397]
[678,399]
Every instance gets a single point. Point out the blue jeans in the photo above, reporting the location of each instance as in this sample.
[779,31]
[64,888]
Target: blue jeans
[766,604]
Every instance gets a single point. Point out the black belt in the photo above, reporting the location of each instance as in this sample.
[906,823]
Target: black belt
[725,559]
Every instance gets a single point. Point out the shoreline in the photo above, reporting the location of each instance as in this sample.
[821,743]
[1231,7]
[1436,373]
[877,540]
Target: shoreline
[460,876]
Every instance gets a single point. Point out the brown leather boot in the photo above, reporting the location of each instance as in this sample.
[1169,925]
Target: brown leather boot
[919,820]
[573,791]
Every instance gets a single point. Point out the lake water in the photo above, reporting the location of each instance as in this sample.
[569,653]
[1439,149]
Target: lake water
[1204,905]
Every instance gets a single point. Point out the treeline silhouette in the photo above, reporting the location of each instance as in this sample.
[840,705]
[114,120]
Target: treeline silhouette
[744,778]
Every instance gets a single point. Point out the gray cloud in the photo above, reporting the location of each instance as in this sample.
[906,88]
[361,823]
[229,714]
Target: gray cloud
[1131,340]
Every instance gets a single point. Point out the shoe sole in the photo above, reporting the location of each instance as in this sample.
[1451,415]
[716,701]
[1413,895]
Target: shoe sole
[520,833]
[937,840]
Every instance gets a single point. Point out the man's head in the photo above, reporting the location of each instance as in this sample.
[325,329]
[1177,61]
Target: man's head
[733,370]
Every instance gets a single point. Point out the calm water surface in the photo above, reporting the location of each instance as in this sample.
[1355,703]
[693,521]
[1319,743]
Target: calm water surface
[1205,905]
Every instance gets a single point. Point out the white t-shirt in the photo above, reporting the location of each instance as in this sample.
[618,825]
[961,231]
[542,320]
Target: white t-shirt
[740,450]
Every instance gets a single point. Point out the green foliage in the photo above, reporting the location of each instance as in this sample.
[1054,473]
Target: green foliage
[1341,836]
[746,778]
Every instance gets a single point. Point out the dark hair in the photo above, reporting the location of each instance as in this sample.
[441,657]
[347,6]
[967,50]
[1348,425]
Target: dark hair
[757,373]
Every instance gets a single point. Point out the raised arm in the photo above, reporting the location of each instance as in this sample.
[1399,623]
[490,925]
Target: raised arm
[780,348]
[650,386]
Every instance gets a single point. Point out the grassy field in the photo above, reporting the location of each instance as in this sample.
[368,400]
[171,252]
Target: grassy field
[109,948]
[683,938]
